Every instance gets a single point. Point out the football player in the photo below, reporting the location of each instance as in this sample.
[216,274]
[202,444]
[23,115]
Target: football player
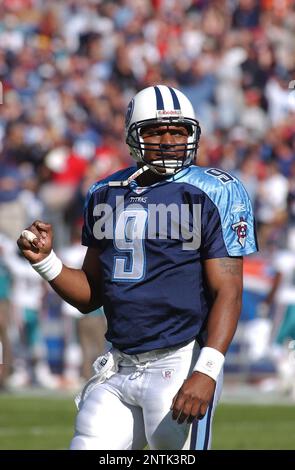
[165,243]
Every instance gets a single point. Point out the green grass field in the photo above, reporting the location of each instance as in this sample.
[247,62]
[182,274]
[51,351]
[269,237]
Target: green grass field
[47,423]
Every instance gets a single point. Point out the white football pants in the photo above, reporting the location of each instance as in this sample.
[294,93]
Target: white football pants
[132,408]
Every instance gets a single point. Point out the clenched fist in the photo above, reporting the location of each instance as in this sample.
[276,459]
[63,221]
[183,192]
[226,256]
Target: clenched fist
[41,246]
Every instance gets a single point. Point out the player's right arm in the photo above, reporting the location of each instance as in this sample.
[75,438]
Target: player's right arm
[81,288]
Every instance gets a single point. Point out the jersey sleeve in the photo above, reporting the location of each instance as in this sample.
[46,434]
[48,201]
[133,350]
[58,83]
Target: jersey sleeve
[212,245]
[229,228]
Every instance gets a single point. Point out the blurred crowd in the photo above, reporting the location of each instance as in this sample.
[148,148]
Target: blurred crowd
[68,70]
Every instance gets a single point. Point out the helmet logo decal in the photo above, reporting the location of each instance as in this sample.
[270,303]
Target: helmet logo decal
[129,112]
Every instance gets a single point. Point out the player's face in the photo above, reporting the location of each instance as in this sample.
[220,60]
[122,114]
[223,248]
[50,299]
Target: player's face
[164,141]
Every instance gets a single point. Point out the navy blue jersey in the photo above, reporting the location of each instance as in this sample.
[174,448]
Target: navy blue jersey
[152,242]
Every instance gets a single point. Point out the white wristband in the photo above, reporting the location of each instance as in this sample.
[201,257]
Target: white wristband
[210,362]
[49,268]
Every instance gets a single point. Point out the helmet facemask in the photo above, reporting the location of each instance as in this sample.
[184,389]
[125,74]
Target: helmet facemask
[181,155]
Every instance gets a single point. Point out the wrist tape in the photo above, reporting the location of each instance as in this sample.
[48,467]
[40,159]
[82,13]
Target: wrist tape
[49,268]
[210,362]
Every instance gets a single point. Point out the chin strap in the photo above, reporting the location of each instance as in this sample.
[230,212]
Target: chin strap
[131,177]
[168,172]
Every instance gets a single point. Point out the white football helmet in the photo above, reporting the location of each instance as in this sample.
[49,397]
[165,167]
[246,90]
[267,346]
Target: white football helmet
[161,105]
